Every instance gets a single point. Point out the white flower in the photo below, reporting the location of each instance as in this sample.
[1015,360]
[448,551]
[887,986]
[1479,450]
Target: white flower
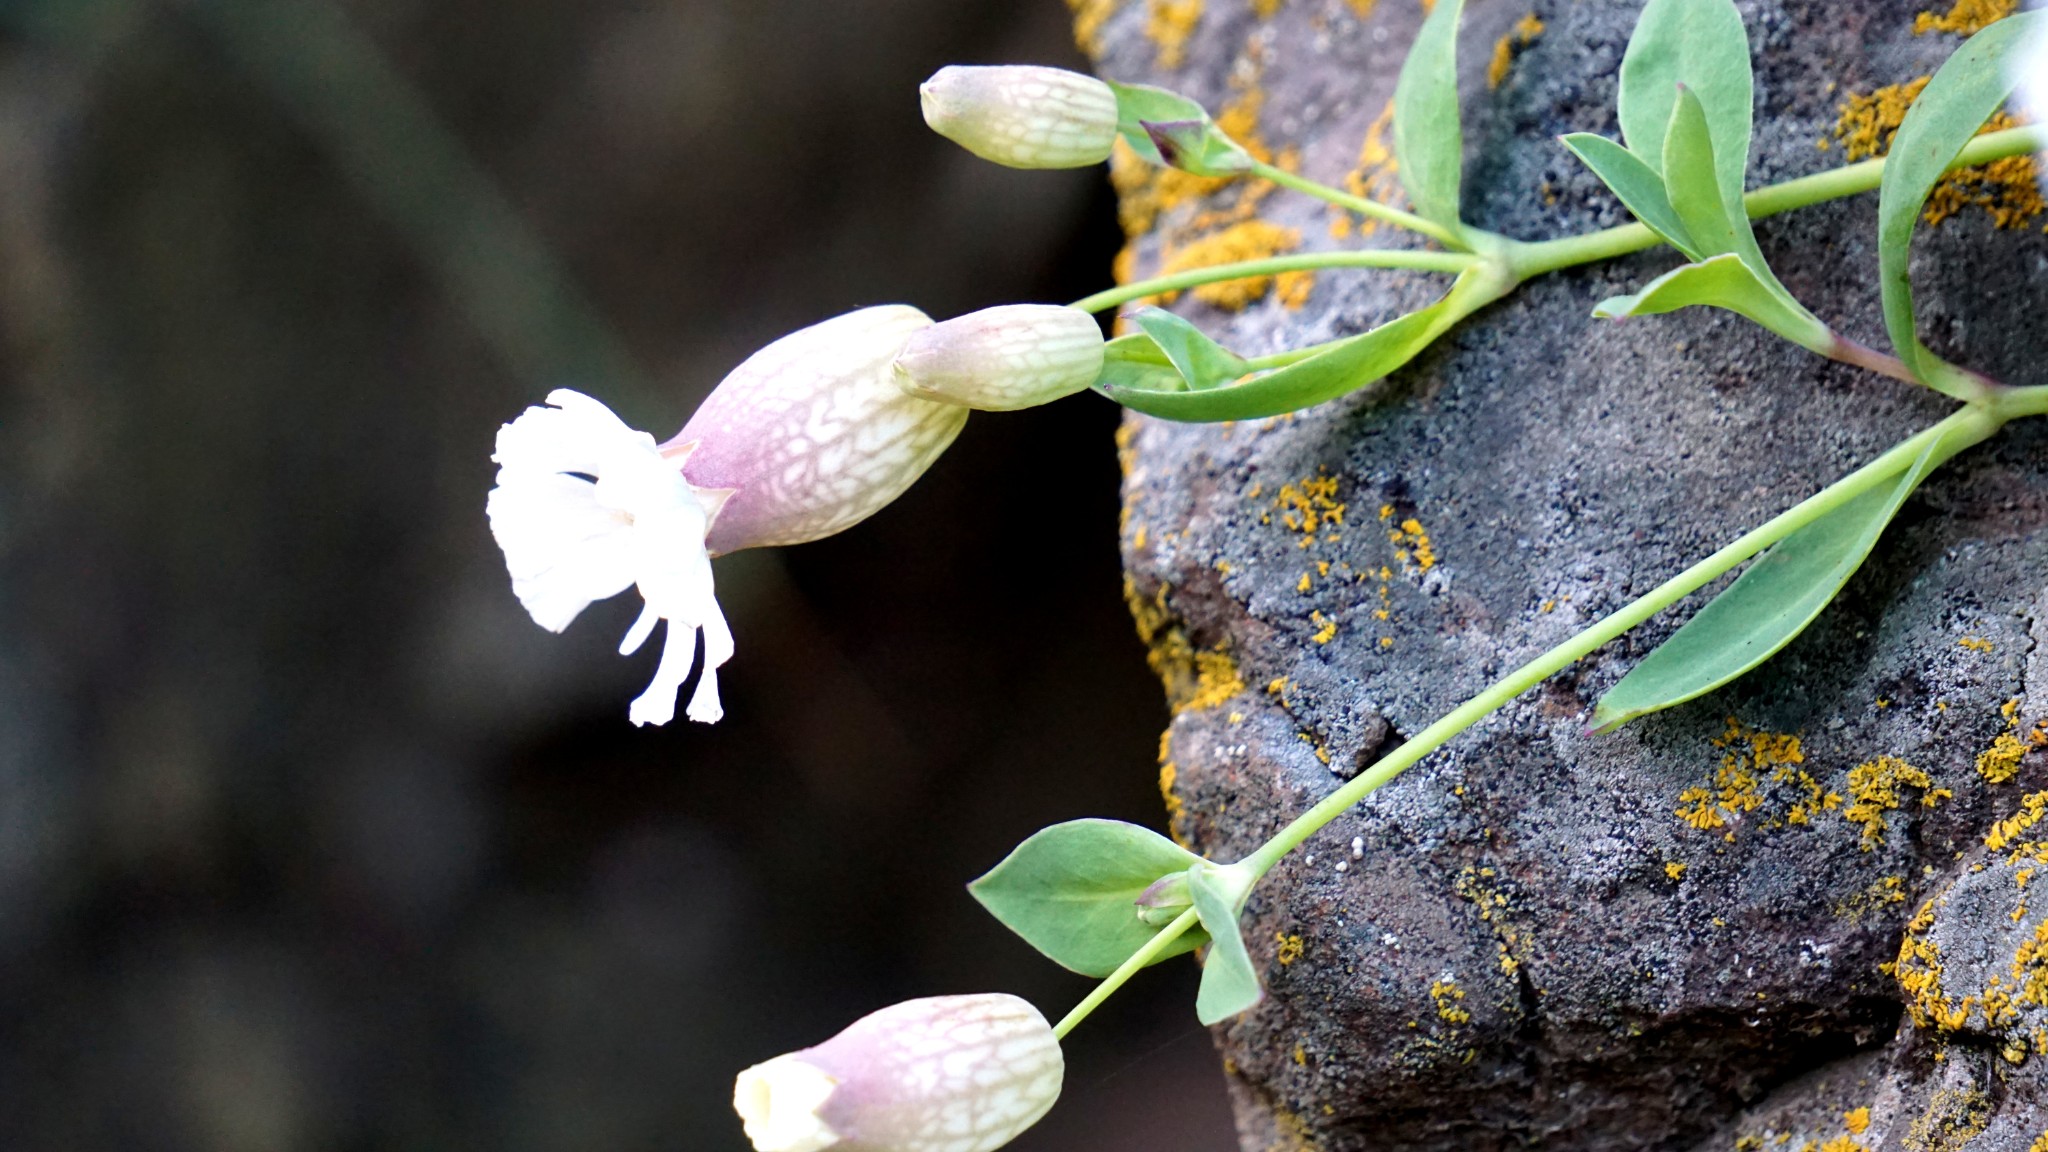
[585,508]
[942,1074]
[1004,358]
[1022,115]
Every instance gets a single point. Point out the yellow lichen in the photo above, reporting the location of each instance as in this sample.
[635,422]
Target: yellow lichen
[1953,1118]
[1292,288]
[1362,8]
[1413,545]
[1249,240]
[1169,775]
[1966,18]
[1374,177]
[2008,189]
[1523,34]
[1169,24]
[1447,994]
[2007,831]
[1919,973]
[1264,9]
[1326,628]
[1674,869]
[1290,949]
[1856,1121]
[1841,1144]
[1874,790]
[1192,679]
[1975,644]
[1089,17]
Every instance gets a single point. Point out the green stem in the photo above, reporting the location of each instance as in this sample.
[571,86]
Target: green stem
[1363,206]
[1850,179]
[1965,427]
[1125,971]
[1300,262]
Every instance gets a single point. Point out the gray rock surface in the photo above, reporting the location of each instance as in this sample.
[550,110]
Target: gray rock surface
[1523,941]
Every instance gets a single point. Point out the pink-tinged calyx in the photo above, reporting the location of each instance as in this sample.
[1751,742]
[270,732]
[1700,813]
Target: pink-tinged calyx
[942,1074]
[811,435]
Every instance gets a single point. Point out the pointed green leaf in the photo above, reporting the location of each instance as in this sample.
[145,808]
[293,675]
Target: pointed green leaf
[1700,44]
[1202,362]
[1229,985]
[1765,608]
[1638,185]
[1429,145]
[1173,131]
[1722,282]
[1071,892]
[1965,92]
[1136,363]
[1691,182]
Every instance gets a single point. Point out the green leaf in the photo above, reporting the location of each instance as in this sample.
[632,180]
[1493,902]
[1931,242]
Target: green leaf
[1071,892]
[1341,368]
[1171,130]
[1690,179]
[1724,281]
[1962,95]
[1136,363]
[1638,185]
[1229,985]
[1202,362]
[1769,604]
[1700,44]
[1429,146]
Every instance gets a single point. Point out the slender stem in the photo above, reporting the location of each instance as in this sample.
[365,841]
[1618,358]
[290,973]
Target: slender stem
[1550,255]
[1302,261]
[1863,356]
[1363,206]
[1961,429]
[1125,971]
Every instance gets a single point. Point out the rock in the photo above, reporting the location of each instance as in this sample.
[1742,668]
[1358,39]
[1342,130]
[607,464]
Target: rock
[1682,933]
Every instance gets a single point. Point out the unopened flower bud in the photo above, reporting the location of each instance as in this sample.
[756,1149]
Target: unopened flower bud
[1162,902]
[1023,116]
[943,1074]
[811,434]
[999,359]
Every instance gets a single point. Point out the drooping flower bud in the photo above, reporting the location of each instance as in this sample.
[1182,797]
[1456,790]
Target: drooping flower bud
[942,1074]
[811,435]
[1021,115]
[1004,358]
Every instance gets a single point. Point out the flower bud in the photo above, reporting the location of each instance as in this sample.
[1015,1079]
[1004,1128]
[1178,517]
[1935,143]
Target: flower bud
[811,435]
[1023,116]
[943,1074]
[999,359]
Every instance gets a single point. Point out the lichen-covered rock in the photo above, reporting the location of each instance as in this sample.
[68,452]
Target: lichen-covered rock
[1690,930]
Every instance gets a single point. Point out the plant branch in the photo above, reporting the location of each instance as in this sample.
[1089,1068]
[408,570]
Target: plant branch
[1246,269]
[1363,206]
[1125,971]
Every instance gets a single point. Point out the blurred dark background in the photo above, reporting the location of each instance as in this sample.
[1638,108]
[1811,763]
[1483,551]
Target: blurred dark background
[309,838]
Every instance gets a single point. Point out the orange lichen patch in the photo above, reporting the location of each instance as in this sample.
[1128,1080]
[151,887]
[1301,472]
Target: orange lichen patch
[1999,763]
[1264,9]
[1883,894]
[1523,34]
[1674,869]
[1412,545]
[1856,1121]
[1169,24]
[2040,1142]
[1967,18]
[1841,1144]
[1292,288]
[1874,790]
[1374,177]
[1250,240]
[1749,759]
[1447,994]
[1310,506]
[1361,8]
[1918,971]
[1975,644]
[1326,628]
[1290,950]
[2008,831]
[1089,17]
[1192,679]
[1953,1118]
[2009,189]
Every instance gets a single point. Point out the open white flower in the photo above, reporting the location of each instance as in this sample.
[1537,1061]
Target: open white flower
[586,507]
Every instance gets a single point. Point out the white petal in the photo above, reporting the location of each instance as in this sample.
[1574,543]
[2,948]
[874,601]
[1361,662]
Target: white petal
[657,705]
[704,705]
[642,628]
[578,435]
[562,549]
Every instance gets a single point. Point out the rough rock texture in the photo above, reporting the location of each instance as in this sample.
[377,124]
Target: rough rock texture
[1684,934]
